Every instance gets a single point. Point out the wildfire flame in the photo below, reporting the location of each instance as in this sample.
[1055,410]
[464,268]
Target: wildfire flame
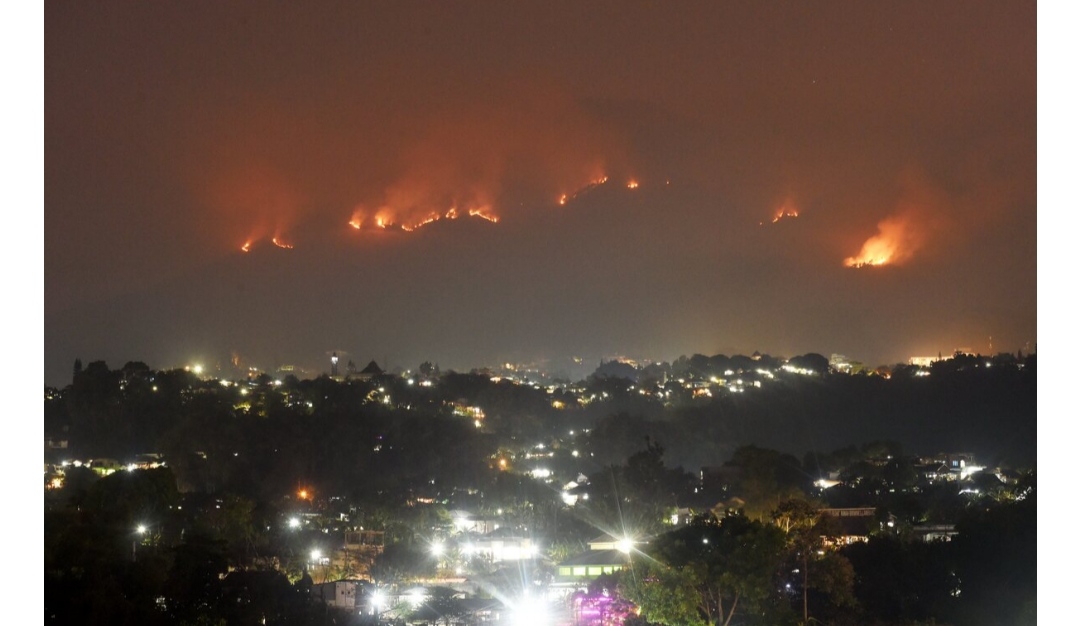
[483,213]
[593,184]
[633,184]
[788,209]
[385,218]
[897,240]
[407,208]
[782,213]
[246,247]
[281,244]
[431,218]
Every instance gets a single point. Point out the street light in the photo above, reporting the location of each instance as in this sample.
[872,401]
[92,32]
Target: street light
[140,532]
[378,598]
[530,611]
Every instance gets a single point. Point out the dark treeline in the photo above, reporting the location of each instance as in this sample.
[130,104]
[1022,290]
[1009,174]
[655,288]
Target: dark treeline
[990,412]
[963,405]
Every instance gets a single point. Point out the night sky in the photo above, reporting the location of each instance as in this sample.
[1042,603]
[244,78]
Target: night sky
[751,152]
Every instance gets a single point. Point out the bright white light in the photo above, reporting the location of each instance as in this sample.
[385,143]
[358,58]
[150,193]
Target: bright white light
[530,611]
[316,555]
[625,545]
[141,529]
[438,548]
[377,599]
[197,369]
[416,597]
[294,522]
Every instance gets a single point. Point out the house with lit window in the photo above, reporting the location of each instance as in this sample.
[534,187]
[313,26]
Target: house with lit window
[606,555]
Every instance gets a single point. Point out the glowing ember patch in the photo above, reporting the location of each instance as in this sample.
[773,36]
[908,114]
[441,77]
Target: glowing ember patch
[356,223]
[281,244]
[452,214]
[246,247]
[633,184]
[562,200]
